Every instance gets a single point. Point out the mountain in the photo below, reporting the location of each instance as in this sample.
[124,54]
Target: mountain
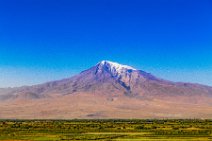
[108,90]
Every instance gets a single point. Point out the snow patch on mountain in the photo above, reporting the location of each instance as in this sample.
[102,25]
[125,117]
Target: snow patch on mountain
[116,67]
[122,73]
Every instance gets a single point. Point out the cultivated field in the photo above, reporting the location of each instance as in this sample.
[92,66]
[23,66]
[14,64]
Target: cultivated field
[119,130]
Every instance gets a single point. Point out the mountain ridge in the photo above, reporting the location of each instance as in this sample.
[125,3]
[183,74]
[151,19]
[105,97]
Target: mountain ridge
[144,72]
[109,87]
[121,73]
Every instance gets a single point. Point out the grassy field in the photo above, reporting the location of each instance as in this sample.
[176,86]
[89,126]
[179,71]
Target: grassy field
[118,130]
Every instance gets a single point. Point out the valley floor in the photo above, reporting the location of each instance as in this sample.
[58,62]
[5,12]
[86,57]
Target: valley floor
[119,130]
[97,106]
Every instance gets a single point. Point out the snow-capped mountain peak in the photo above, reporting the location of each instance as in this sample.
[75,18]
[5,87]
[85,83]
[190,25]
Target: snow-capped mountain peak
[113,65]
[118,71]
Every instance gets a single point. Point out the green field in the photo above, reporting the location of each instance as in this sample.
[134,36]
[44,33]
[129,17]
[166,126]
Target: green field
[119,130]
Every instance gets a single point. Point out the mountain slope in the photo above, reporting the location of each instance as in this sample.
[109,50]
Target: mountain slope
[106,88]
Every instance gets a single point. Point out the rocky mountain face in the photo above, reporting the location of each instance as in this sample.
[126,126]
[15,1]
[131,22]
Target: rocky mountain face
[107,82]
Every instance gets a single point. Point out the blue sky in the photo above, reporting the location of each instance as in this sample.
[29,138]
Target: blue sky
[43,40]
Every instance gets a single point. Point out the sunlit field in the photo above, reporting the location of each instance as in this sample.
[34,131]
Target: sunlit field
[148,130]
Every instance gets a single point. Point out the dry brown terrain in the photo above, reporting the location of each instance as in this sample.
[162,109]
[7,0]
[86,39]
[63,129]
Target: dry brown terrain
[82,105]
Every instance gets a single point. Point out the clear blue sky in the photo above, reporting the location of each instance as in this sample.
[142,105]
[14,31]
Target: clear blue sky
[42,40]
